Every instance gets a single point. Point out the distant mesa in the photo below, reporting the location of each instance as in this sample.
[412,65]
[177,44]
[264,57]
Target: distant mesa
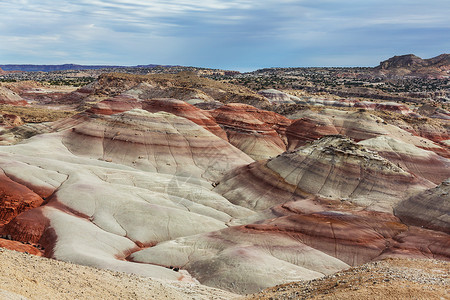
[414,65]
[412,61]
[64,67]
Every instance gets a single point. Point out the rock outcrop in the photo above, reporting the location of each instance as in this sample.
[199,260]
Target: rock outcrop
[413,62]
[10,120]
[20,247]
[15,199]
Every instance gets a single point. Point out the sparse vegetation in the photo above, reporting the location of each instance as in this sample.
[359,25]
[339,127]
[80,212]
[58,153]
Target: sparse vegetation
[35,114]
[76,82]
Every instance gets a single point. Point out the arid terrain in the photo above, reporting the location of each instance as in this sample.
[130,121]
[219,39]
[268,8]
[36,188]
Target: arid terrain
[175,183]
[29,277]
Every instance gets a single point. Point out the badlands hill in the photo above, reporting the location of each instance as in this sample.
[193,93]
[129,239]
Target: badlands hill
[185,179]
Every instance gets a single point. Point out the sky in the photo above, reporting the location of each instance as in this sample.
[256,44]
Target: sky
[234,34]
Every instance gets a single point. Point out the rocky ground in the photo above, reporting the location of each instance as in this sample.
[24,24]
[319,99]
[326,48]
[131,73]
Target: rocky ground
[25,276]
[387,279]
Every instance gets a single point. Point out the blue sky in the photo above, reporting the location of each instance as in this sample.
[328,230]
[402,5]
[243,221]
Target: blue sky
[234,34]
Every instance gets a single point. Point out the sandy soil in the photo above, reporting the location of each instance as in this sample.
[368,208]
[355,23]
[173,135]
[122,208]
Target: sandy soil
[388,279]
[24,276]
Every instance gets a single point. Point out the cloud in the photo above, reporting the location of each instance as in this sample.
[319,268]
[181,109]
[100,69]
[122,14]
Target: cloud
[217,33]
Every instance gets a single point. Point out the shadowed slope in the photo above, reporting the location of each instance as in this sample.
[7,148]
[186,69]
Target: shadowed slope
[430,209]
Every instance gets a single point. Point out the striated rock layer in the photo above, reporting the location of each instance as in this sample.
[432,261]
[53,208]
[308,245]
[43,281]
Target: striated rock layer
[9,97]
[179,108]
[357,125]
[247,258]
[422,163]
[242,259]
[333,167]
[188,111]
[159,142]
[259,133]
[153,177]
[148,186]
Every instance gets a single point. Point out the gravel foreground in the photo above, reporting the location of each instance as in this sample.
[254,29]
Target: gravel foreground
[389,279]
[24,276]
